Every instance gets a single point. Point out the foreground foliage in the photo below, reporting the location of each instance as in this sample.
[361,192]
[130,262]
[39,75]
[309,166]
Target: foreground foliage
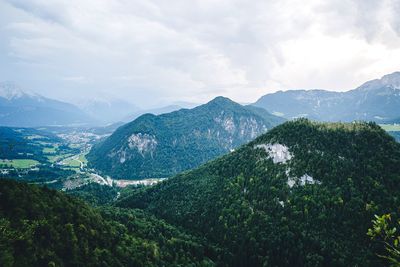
[43,227]
[386,231]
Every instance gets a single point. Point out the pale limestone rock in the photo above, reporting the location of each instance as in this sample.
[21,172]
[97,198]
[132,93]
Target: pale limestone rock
[142,142]
[277,152]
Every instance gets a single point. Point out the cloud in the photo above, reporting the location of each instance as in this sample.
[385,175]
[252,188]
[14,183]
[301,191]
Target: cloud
[193,50]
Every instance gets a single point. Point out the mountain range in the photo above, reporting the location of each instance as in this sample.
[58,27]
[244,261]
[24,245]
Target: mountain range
[377,100]
[163,145]
[25,109]
[19,108]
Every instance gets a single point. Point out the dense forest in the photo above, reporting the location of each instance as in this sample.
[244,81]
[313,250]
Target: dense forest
[311,204]
[161,146]
[95,194]
[43,227]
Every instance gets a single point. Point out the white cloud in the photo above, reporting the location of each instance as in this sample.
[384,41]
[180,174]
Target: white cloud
[194,50]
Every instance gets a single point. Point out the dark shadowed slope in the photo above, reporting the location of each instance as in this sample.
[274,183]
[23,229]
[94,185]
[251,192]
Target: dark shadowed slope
[42,227]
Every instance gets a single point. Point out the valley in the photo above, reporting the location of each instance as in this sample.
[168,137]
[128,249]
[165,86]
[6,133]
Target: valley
[56,158]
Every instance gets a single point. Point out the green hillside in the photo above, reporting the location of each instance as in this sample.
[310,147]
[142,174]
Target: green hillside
[43,227]
[164,145]
[303,194]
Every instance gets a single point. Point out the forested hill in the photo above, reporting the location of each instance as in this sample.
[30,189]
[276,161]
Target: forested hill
[303,194]
[43,227]
[160,146]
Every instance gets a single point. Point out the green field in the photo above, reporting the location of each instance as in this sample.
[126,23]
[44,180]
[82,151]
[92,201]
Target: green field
[20,163]
[82,157]
[57,157]
[50,150]
[391,127]
[72,163]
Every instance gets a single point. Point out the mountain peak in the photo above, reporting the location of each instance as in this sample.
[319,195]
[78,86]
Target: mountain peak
[221,100]
[10,90]
[392,80]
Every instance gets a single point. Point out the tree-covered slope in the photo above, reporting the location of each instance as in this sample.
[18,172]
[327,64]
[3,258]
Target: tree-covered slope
[43,227]
[160,146]
[303,194]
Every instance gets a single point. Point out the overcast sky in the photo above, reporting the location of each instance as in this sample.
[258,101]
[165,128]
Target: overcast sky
[153,51]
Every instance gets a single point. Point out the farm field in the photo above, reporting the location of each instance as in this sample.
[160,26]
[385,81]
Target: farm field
[20,163]
[391,127]
[50,150]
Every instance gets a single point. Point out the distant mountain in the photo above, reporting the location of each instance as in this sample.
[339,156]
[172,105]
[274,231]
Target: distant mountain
[303,194]
[24,109]
[110,110]
[160,146]
[377,100]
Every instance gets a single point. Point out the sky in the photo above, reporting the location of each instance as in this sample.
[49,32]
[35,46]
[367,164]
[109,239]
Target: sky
[152,52]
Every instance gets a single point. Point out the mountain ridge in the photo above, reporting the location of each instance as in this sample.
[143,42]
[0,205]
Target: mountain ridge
[377,100]
[177,141]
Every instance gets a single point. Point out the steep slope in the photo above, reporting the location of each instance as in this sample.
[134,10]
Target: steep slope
[302,194]
[160,146]
[23,109]
[376,100]
[42,227]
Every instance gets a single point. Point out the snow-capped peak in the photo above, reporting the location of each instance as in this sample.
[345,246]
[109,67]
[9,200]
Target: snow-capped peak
[10,91]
